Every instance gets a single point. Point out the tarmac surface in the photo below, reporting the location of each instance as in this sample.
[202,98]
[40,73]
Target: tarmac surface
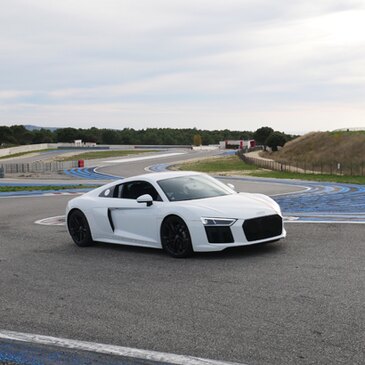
[297,301]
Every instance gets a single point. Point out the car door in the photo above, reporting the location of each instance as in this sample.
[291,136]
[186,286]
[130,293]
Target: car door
[132,222]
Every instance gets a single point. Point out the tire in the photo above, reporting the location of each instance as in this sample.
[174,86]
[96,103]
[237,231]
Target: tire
[175,237]
[79,229]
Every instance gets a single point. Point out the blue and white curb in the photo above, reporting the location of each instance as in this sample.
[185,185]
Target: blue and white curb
[127,352]
[89,173]
[160,167]
[319,202]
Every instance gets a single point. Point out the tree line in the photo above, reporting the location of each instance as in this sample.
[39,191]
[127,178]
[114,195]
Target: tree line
[19,135]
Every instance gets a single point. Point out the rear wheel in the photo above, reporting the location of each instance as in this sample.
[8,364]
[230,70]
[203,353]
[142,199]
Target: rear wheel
[175,237]
[79,229]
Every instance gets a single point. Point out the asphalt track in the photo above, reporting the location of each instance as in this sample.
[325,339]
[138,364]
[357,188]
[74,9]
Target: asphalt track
[299,301]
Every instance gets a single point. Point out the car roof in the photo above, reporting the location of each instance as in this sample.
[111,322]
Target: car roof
[156,176]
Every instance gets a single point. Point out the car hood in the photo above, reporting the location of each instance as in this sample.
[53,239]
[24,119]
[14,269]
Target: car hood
[240,206]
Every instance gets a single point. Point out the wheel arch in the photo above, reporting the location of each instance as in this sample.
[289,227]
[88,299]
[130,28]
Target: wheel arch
[79,227]
[190,249]
[73,210]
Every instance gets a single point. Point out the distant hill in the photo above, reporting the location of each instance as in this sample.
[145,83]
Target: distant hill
[30,127]
[324,147]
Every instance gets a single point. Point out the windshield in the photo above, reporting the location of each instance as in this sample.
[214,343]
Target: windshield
[193,187]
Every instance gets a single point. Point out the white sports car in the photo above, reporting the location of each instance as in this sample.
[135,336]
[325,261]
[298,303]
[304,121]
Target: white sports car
[181,212]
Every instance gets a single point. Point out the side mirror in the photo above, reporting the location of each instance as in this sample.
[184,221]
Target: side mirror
[146,198]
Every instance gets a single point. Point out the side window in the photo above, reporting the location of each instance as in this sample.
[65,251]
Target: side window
[134,189]
[107,193]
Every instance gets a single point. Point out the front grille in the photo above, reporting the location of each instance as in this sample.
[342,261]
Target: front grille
[220,234]
[263,227]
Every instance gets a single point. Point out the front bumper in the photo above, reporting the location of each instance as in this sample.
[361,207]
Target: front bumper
[241,233]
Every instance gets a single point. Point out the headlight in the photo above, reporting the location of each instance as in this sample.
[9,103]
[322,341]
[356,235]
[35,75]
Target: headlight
[218,221]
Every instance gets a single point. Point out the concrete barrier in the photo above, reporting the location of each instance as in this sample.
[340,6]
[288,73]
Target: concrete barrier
[27,148]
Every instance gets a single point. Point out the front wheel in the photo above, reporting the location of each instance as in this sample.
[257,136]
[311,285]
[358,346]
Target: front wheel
[79,229]
[175,237]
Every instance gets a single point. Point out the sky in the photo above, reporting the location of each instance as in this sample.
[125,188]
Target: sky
[296,66]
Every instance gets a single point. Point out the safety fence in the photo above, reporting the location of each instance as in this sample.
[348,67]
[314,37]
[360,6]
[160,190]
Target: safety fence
[330,168]
[37,167]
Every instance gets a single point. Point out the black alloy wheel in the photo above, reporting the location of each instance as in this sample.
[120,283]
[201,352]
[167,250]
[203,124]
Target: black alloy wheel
[79,228]
[175,237]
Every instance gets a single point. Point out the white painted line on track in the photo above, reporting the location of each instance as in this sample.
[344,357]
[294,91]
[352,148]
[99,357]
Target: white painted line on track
[326,217]
[132,159]
[324,222]
[305,189]
[110,349]
[52,221]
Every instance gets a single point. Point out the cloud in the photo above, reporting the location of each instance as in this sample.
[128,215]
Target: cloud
[163,59]
[13,94]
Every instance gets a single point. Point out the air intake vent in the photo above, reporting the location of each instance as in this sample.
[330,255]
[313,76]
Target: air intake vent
[219,234]
[263,227]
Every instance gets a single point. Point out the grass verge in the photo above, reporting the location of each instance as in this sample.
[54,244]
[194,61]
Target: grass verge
[234,165]
[10,189]
[360,180]
[103,154]
[217,164]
